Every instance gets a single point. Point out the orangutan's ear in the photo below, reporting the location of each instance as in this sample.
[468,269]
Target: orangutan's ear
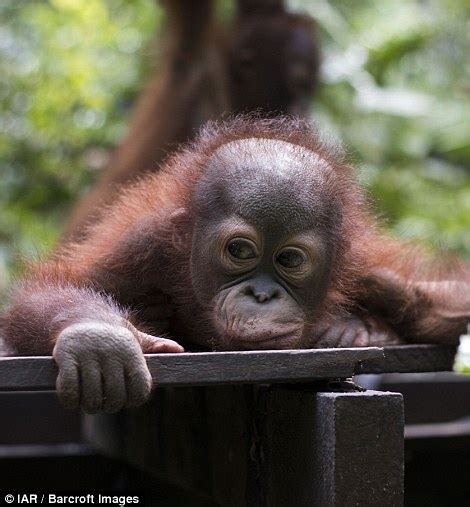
[181,229]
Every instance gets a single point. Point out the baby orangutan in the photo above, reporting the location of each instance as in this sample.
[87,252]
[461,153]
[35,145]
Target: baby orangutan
[256,236]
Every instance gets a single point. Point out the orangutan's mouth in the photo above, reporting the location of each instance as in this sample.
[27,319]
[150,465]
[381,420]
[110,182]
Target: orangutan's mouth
[282,341]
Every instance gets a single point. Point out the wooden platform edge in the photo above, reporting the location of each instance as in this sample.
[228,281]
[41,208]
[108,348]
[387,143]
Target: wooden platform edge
[247,367]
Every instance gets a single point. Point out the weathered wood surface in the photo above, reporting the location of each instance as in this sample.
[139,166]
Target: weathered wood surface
[333,448]
[259,446]
[411,359]
[279,366]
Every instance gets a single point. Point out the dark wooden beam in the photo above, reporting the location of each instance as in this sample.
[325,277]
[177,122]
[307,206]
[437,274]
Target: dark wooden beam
[279,366]
[259,446]
[411,359]
[332,449]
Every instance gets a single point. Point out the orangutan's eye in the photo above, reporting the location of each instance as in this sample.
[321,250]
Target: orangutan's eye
[291,258]
[241,249]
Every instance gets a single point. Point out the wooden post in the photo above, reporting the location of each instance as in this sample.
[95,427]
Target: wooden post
[334,448]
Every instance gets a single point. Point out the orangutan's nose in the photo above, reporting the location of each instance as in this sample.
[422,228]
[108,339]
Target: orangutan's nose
[262,290]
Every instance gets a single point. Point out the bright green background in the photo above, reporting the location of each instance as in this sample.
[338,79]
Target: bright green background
[395,89]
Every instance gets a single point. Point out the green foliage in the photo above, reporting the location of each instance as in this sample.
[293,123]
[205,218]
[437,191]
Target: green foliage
[69,70]
[462,358]
[395,91]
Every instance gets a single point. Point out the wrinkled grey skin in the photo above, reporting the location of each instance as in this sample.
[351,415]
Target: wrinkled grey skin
[258,189]
[102,368]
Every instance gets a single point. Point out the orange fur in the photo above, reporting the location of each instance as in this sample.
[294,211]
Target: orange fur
[131,258]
